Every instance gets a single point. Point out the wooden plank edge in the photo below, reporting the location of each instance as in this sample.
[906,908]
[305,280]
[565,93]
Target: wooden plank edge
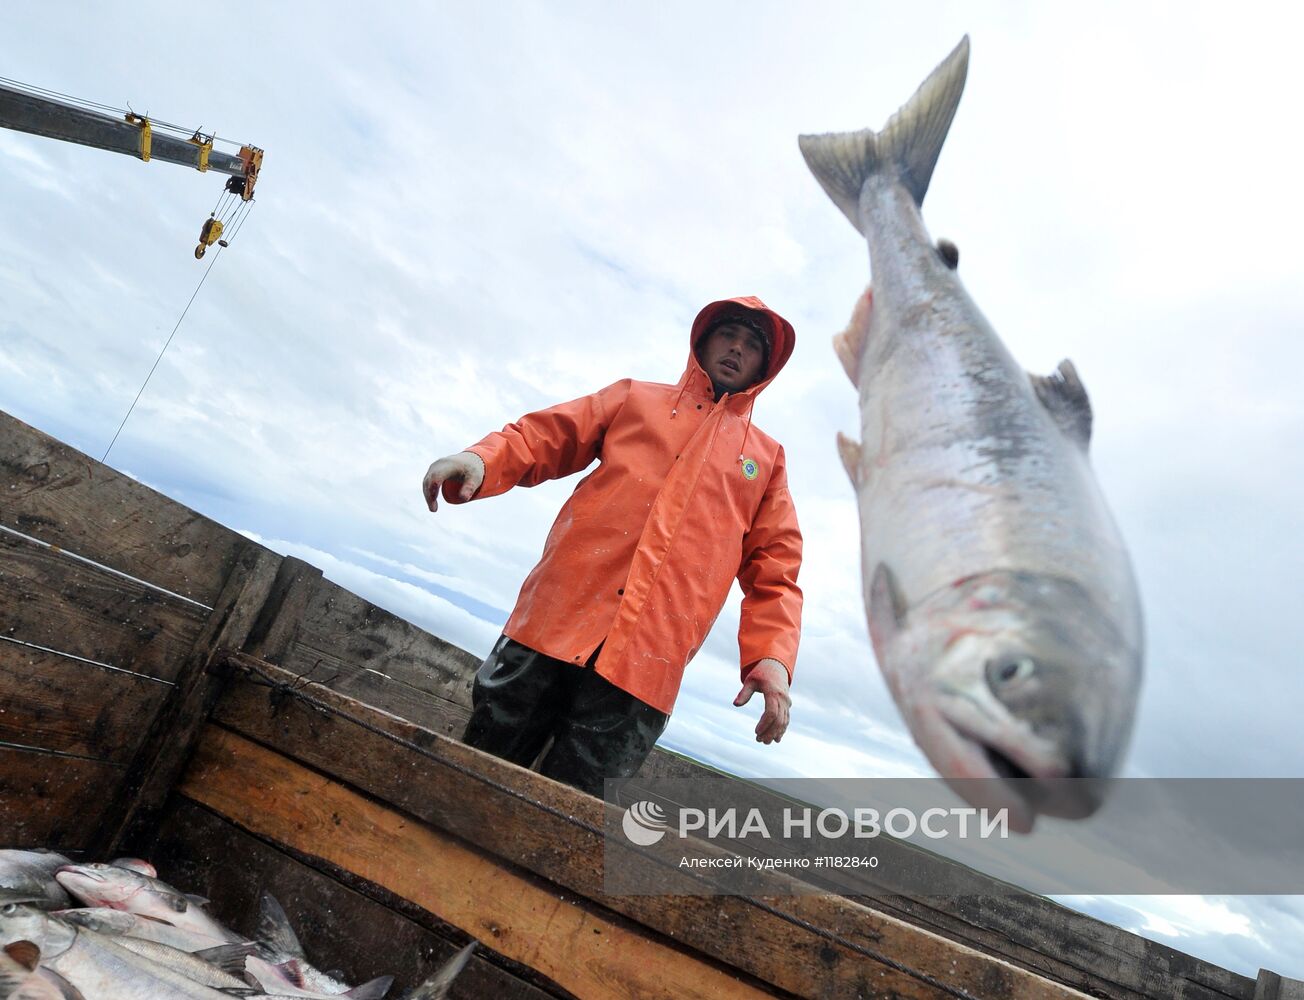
[343,922]
[839,938]
[281,618]
[175,729]
[563,936]
[55,493]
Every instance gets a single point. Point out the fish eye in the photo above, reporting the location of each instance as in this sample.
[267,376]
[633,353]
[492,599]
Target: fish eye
[9,909]
[1016,668]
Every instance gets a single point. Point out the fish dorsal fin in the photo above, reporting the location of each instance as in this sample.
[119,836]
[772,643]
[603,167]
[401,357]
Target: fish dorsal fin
[907,147]
[274,927]
[373,990]
[1065,399]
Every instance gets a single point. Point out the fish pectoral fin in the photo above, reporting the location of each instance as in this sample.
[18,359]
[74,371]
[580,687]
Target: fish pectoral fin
[887,607]
[849,451]
[849,344]
[1065,399]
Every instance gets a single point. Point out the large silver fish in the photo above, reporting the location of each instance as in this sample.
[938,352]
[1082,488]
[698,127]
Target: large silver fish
[1002,605]
[30,875]
[94,967]
[130,889]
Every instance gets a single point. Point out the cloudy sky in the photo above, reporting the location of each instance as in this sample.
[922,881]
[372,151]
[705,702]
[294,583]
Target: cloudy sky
[471,211]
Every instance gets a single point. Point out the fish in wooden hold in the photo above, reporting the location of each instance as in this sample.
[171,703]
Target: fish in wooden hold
[131,890]
[106,920]
[1002,604]
[141,938]
[282,968]
[438,985]
[22,978]
[28,876]
[89,965]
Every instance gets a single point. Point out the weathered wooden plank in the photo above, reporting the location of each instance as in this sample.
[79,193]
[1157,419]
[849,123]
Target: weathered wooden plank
[565,938]
[1026,929]
[171,734]
[281,618]
[53,702]
[1071,947]
[828,946]
[1270,986]
[52,801]
[57,494]
[340,925]
[395,697]
[372,650]
[50,600]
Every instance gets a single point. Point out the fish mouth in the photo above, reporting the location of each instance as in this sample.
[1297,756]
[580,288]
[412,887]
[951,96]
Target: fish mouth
[1004,766]
[79,870]
[1045,783]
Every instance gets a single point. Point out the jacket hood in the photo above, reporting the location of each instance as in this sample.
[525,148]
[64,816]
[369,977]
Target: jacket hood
[782,336]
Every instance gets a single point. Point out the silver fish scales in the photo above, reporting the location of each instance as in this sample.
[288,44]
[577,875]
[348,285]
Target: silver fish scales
[1002,604]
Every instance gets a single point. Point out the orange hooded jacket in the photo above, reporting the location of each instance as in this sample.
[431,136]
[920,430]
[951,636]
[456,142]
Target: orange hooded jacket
[687,496]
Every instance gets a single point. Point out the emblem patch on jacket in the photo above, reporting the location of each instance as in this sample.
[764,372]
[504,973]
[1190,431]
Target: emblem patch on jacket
[750,469]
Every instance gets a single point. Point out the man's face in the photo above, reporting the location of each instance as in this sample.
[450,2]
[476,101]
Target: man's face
[732,356]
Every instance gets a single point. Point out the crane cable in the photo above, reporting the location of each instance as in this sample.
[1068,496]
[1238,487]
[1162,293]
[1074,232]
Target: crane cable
[231,213]
[204,277]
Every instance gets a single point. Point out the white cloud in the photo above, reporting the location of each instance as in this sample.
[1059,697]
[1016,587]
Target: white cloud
[485,210]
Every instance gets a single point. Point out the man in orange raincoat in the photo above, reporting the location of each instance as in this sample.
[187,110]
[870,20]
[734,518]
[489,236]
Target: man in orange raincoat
[688,495]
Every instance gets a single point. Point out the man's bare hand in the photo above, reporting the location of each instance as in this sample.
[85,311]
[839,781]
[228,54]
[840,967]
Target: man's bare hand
[465,465]
[769,677]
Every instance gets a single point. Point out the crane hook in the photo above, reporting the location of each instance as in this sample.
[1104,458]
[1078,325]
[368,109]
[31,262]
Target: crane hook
[209,234]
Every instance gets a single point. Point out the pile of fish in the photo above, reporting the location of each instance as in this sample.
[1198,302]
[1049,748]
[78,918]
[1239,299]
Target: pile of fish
[137,938]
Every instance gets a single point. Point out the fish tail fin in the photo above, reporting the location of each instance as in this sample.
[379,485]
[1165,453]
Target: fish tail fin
[274,927]
[375,989]
[908,146]
[438,985]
